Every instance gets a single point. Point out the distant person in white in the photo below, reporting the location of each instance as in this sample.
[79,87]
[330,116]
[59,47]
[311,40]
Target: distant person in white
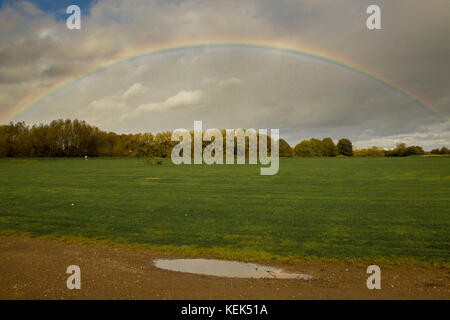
[85,157]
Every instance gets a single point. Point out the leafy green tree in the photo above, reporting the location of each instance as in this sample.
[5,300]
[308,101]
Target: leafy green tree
[345,147]
[285,149]
[164,144]
[400,149]
[375,152]
[370,152]
[316,147]
[435,151]
[5,141]
[413,150]
[360,153]
[329,148]
[303,149]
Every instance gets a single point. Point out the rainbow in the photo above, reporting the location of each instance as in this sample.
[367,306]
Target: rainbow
[278,47]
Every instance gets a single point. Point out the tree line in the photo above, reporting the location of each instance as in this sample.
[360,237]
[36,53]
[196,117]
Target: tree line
[75,138]
[67,138]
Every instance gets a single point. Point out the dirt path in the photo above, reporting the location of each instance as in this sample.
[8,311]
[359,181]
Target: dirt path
[36,269]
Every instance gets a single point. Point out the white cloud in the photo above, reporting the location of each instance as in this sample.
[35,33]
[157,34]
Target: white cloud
[230,82]
[113,105]
[222,83]
[134,90]
[181,99]
[427,136]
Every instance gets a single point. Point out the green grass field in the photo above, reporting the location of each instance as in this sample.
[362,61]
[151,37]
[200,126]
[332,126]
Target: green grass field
[390,209]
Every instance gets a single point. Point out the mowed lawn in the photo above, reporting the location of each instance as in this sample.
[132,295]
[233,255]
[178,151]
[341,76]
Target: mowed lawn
[381,209]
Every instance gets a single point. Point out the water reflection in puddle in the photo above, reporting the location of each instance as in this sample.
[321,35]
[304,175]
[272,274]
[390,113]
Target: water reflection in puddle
[222,268]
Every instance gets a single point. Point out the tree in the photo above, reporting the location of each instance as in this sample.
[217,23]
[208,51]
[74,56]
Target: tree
[345,147]
[329,148]
[413,150]
[375,152]
[400,149]
[164,144]
[303,149]
[316,147]
[370,152]
[435,151]
[285,149]
[444,150]
[75,138]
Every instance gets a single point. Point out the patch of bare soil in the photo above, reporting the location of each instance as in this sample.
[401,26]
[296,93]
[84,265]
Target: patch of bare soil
[36,269]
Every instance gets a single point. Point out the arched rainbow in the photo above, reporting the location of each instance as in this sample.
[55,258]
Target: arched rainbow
[298,50]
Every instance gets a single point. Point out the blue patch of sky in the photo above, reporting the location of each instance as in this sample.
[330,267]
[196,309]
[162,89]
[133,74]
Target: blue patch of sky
[56,7]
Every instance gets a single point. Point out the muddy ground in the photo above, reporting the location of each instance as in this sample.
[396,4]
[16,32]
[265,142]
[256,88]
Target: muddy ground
[36,269]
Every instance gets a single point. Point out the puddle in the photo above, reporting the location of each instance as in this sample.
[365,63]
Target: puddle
[231,269]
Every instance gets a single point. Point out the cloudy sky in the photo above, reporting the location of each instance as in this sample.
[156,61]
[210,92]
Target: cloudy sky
[49,72]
